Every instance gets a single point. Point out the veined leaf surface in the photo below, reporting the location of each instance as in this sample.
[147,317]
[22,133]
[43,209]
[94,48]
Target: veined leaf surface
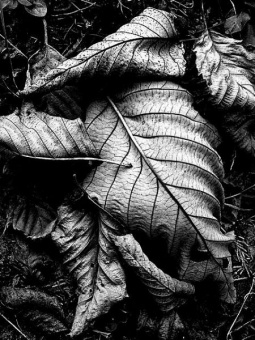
[83,236]
[142,48]
[31,133]
[166,291]
[228,69]
[172,196]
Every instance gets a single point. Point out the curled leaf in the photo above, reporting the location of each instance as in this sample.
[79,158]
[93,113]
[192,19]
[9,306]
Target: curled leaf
[228,69]
[82,235]
[31,133]
[166,291]
[145,47]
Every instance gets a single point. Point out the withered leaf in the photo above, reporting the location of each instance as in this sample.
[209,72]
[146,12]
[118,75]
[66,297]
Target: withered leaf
[144,47]
[228,69]
[32,133]
[82,235]
[166,291]
[171,198]
[31,215]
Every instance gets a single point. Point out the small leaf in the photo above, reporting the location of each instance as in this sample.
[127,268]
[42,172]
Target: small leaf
[41,63]
[166,291]
[167,327]
[236,23]
[31,216]
[38,8]
[232,25]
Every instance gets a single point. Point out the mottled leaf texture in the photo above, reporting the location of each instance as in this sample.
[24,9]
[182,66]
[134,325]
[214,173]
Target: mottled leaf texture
[31,215]
[171,198]
[142,48]
[83,236]
[167,292]
[31,133]
[228,69]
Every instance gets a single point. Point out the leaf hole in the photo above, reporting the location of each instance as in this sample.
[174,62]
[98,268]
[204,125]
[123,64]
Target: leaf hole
[225,263]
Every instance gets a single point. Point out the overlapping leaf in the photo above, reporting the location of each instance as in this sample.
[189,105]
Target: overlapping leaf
[31,133]
[228,69]
[166,291]
[171,198]
[142,48]
[83,236]
[31,215]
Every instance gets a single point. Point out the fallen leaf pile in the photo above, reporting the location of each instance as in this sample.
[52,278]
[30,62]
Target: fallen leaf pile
[151,202]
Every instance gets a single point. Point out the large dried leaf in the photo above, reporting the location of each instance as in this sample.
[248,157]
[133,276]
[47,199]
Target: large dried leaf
[142,48]
[171,198]
[228,69]
[31,133]
[82,235]
[166,291]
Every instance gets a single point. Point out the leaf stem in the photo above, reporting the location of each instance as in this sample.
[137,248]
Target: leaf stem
[87,159]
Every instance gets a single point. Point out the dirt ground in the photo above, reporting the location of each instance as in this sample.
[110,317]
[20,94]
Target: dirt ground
[37,296]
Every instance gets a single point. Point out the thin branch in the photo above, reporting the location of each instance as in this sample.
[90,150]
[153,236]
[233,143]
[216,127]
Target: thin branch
[240,193]
[229,336]
[15,327]
[74,12]
[15,47]
[45,32]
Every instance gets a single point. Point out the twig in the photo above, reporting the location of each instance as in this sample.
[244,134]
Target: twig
[74,12]
[184,6]
[244,325]
[203,14]
[240,193]
[69,29]
[15,47]
[45,32]
[229,336]
[236,208]
[17,329]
